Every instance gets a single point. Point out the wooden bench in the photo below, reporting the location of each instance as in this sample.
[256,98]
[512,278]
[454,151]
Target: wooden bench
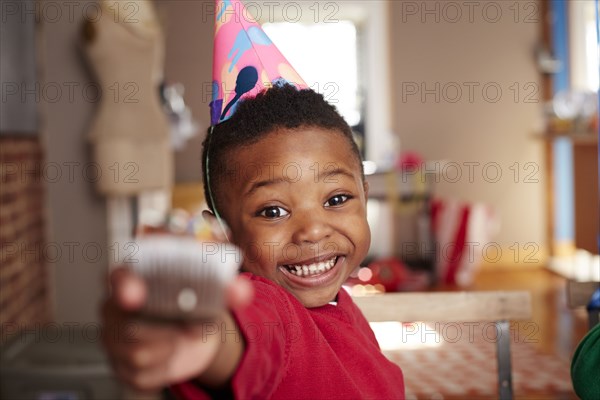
[497,307]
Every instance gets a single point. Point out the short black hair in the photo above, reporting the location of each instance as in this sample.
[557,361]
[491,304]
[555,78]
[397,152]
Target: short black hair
[282,106]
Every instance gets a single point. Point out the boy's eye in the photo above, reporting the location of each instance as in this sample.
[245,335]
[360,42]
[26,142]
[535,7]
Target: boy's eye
[273,212]
[337,200]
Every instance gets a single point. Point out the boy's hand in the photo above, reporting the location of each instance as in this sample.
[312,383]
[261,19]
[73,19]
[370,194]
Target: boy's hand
[149,356]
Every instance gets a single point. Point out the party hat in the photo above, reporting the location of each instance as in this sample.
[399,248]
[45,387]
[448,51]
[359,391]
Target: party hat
[245,60]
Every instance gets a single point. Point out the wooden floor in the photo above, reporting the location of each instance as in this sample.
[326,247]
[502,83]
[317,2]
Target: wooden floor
[559,329]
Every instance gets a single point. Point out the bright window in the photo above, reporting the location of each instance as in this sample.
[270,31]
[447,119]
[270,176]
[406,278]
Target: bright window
[584,45]
[325,56]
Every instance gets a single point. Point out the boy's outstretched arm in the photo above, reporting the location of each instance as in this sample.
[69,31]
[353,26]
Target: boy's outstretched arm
[149,356]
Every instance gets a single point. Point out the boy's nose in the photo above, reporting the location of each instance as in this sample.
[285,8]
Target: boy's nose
[311,227]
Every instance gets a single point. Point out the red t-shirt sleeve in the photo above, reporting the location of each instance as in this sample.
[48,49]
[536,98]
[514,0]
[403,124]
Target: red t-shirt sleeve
[263,326]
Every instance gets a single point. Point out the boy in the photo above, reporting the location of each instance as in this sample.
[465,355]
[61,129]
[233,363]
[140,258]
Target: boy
[286,177]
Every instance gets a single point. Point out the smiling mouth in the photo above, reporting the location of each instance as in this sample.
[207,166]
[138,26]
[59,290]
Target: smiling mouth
[312,269]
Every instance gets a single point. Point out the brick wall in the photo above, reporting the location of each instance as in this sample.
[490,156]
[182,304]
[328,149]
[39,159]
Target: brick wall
[24,294]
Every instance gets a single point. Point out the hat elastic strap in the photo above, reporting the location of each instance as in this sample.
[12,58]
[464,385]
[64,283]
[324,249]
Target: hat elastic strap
[208,186]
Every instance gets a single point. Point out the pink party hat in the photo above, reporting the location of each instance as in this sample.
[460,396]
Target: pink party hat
[245,61]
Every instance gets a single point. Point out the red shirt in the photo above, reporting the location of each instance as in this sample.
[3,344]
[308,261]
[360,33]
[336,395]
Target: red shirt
[306,353]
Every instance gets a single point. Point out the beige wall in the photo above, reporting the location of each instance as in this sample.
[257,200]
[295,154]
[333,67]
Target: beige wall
[76,214]
[465,53]
[189,44]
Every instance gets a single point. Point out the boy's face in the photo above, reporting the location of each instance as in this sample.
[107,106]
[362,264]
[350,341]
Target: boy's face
[296,205]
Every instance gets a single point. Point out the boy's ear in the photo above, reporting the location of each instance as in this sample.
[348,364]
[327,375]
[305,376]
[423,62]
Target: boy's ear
[220,231]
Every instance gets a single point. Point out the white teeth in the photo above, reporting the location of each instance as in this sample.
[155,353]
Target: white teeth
[312,269]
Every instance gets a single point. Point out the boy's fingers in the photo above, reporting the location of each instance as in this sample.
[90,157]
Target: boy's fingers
[129,290]
[239,293]
[143,380]
[138,333]
[154,364]
[146,355]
